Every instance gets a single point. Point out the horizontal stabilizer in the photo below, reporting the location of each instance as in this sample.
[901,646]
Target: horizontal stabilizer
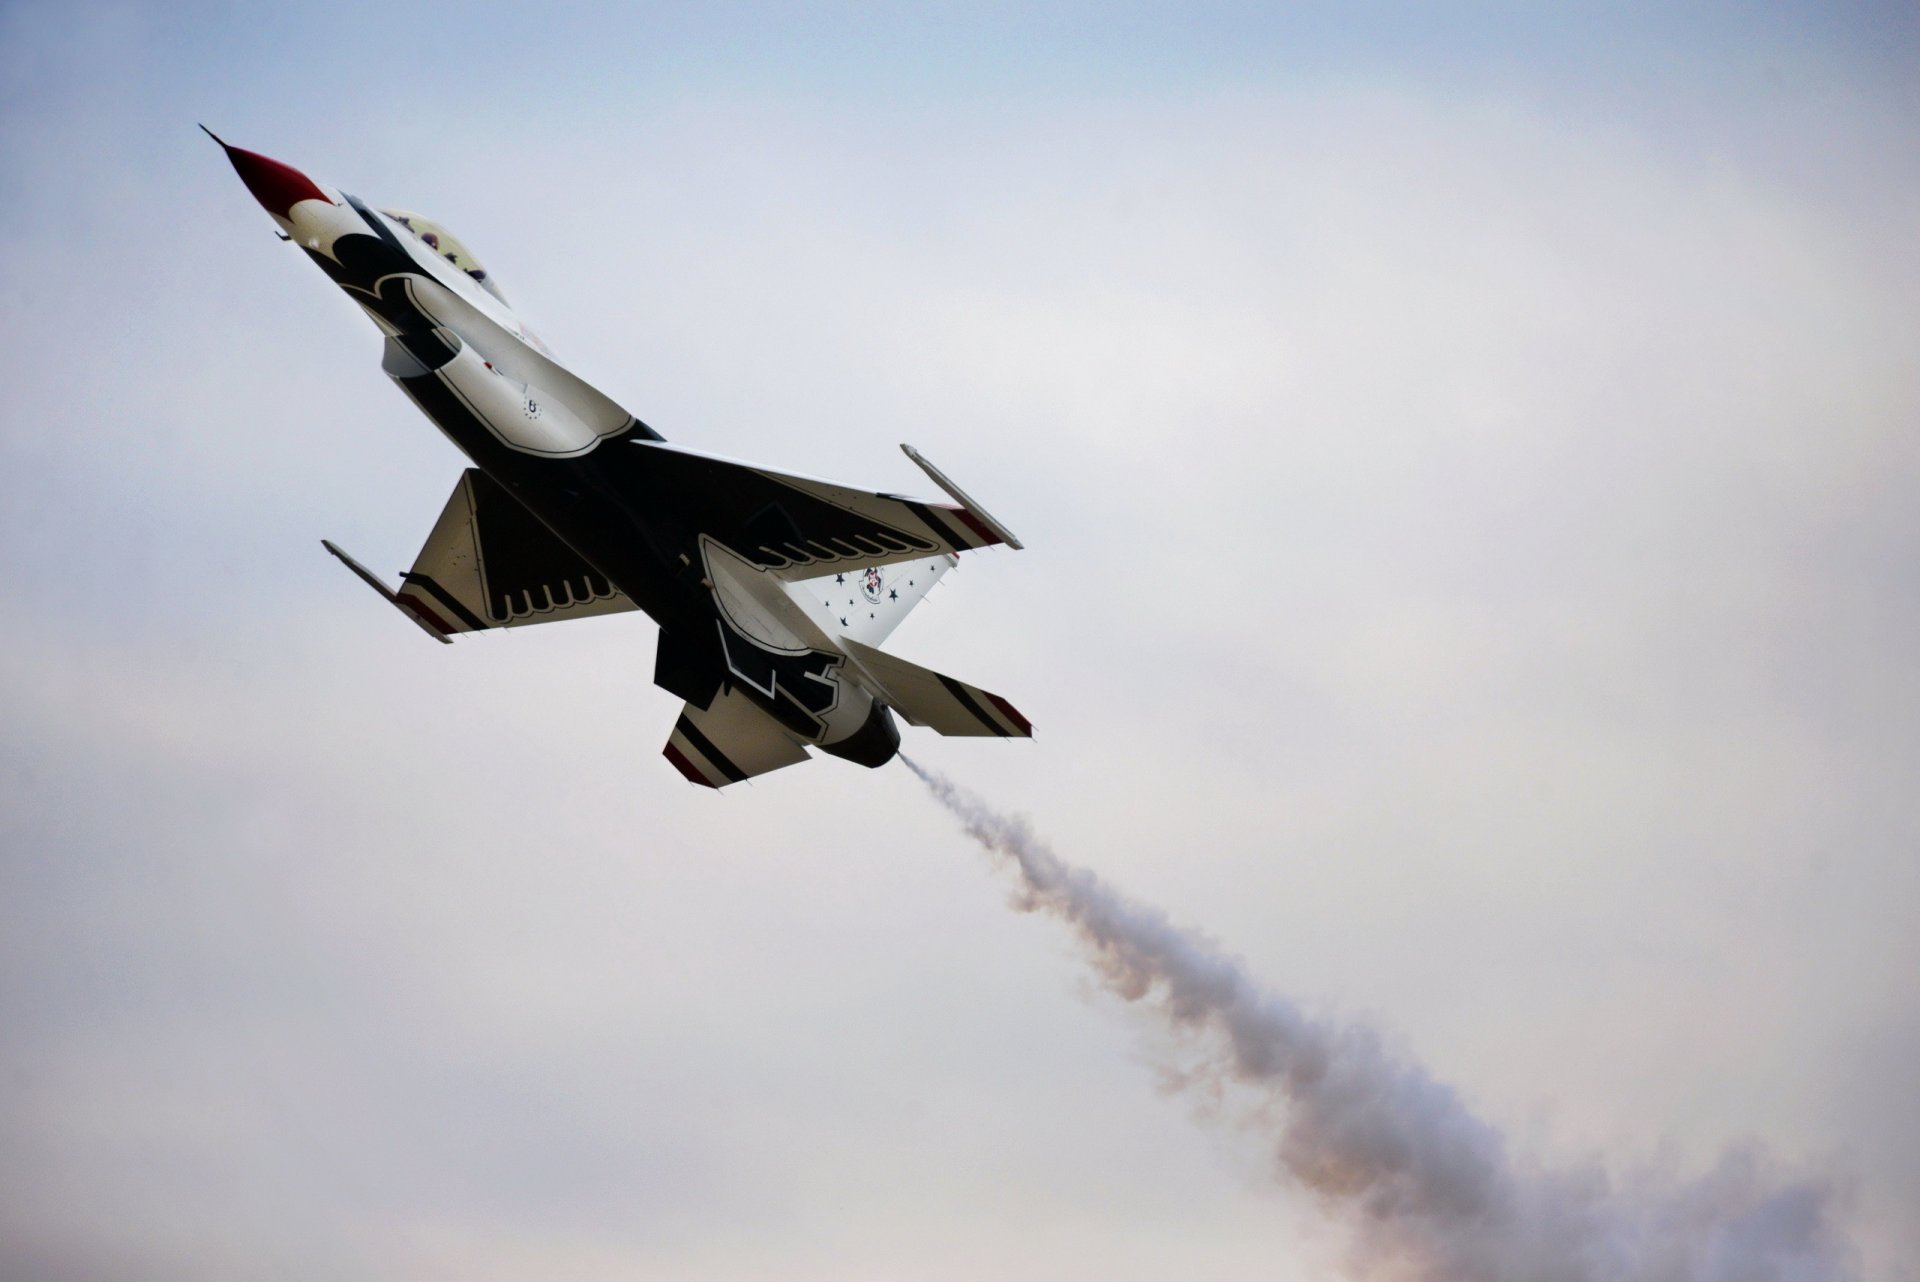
[729,741]
[927,698]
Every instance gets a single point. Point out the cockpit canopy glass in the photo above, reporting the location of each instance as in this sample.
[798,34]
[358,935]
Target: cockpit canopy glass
[447,245]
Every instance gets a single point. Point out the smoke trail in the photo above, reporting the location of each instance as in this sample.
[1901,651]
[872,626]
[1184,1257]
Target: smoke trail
[1432,1191]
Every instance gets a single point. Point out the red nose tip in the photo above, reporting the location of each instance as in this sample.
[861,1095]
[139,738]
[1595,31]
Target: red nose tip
[277,187]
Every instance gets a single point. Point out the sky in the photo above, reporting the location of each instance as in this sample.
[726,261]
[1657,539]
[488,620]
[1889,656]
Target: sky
[1465,456]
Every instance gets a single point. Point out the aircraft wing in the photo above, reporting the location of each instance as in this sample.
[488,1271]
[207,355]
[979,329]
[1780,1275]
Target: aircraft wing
[490,564]
[800,527]
[729,741]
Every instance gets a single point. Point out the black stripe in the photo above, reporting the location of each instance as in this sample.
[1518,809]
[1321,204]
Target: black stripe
[445,598]
[704,746]
[939,527]
[959,692]
[380,229]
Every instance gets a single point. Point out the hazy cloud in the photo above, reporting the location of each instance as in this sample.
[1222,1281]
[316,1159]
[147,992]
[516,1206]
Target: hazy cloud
[1467,475]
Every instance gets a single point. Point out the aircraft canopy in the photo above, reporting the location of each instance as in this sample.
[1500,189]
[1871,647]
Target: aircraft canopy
[447,245]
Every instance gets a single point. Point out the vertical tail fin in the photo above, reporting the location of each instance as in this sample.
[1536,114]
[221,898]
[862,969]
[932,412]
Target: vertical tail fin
[869,603]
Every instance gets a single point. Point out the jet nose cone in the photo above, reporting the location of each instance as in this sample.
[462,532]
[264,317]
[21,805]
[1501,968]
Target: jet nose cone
[277,187]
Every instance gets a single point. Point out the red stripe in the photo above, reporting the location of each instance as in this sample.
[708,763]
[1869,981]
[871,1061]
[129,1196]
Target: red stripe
[425,615]
[686,767]
[975,524]
[1012,714]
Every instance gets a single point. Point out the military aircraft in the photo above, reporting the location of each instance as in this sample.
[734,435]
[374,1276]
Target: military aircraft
[772,590]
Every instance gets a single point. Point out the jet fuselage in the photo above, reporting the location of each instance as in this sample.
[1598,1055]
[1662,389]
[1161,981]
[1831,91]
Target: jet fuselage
[710,549]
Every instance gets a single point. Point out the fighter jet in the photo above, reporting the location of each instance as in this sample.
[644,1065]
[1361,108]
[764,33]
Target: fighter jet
[772,590]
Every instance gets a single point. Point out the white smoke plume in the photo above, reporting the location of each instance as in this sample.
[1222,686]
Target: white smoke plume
[1432,1192]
